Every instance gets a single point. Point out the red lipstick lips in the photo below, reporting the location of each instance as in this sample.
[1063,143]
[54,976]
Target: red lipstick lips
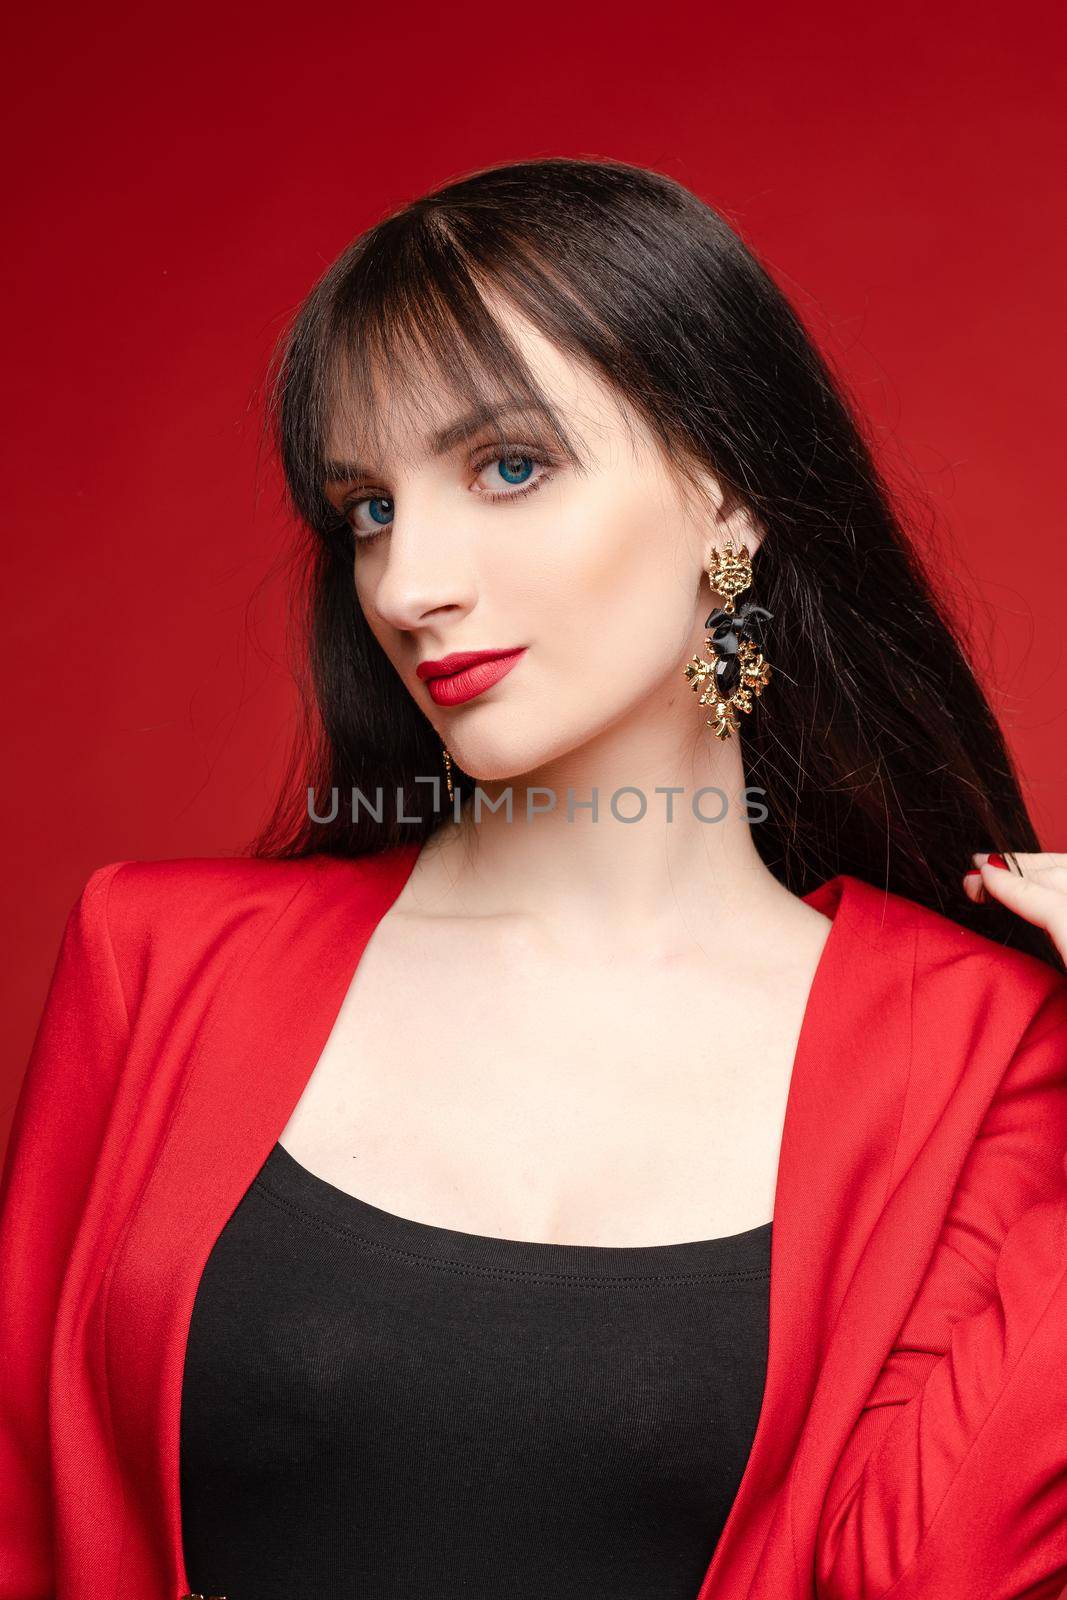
[466,673]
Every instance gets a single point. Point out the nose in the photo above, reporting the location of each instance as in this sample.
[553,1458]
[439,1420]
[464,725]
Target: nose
[429,571]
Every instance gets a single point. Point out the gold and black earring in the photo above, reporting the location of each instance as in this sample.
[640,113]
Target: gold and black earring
[448,772]
[736,671]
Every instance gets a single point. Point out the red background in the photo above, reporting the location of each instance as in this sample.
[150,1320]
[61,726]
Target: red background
[178,178]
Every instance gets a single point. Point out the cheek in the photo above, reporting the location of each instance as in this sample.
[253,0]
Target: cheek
[624,575]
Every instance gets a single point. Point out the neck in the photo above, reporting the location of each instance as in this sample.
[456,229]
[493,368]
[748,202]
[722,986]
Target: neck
[582,867]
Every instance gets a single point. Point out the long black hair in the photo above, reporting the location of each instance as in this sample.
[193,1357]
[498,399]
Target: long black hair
[878,752]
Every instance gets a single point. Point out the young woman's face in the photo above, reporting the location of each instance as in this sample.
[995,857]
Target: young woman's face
[595,573]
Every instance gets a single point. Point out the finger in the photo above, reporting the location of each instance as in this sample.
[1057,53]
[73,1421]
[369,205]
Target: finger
[1041,868]
[973,887]
[1036,901]
[1029,861]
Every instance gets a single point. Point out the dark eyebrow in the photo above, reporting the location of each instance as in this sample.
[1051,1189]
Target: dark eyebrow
[445,439]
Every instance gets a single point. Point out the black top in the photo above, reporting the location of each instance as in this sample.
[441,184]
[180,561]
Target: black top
[376,1408]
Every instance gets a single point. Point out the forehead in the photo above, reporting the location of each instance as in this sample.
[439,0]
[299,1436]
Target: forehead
[391,402]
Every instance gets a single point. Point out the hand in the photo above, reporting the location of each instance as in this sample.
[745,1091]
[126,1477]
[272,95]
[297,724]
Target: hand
[1036,891]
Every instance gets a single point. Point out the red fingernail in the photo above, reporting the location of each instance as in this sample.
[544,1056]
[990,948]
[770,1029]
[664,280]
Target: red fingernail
[997,860]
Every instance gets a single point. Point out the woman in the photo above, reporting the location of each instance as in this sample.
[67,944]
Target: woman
[389,1212]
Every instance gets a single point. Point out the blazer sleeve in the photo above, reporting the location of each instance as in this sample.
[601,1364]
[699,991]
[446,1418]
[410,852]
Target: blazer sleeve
[57,1129]
[953,1482]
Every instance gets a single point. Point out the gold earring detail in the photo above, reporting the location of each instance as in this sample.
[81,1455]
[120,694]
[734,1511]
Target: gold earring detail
[448,772]
[736,671]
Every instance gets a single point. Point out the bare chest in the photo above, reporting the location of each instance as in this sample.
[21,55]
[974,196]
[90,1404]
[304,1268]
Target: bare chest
[581,1104]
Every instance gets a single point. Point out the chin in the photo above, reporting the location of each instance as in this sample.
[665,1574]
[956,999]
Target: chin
[503,762]
[493,770]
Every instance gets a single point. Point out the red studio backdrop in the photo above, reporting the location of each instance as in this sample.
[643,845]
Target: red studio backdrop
[176,179]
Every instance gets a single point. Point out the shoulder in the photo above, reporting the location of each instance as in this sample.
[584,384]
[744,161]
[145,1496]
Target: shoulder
[129,902]
[963,982]
[161,919]
[188,887]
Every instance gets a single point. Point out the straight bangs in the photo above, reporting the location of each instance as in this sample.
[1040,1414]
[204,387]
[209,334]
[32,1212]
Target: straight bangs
[403,318]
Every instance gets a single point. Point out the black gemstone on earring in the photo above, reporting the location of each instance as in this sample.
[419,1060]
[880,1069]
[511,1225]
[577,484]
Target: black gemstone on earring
[727,675]
[728,628]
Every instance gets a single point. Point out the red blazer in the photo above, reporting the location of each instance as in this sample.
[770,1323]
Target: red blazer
[912,1439]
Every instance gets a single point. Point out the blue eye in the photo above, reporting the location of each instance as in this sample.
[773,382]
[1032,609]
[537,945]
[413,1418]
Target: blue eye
[515,469]
[523,470]
[380,508]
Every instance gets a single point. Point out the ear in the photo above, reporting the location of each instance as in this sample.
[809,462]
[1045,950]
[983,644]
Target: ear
[730,520]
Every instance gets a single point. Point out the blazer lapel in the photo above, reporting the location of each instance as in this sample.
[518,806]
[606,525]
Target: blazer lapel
[834,1169]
